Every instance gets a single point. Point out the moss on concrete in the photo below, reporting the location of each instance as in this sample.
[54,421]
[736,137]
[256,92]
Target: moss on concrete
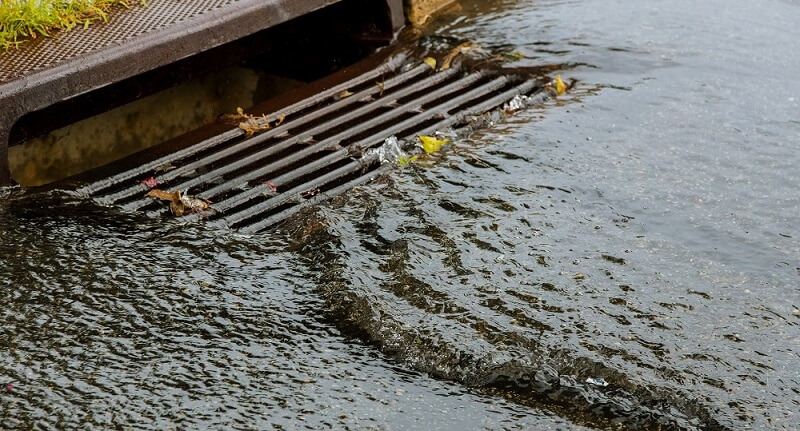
[22,20]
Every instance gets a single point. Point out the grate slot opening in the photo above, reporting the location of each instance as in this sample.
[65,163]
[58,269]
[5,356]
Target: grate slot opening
[264,211]
[265,194]
[278,217]
[417,93]
[317,173]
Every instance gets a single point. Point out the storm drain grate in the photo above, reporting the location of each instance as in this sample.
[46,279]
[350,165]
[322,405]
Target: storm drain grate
[319,148]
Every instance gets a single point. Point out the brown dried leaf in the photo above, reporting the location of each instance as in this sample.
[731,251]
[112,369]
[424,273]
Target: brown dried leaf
[251,124]
[164,196]
[180,204]
[455,52]
[343,95]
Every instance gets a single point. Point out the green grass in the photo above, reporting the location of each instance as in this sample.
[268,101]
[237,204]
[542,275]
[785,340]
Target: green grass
[22,20]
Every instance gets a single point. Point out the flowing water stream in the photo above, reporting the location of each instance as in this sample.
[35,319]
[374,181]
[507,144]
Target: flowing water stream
[627,256]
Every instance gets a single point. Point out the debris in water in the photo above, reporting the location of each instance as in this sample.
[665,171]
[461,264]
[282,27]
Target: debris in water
[164,168]
[455,52]
[561,87]
[271,185]
[160,194]
[402,161]
[181,204]
[343,95]
[431,144]
[389,152]
[430,61]
[518,102]
[597,382]
[252,124]
[238,116]
[150,182]
[310,193]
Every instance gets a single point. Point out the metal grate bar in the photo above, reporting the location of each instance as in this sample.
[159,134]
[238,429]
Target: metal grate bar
[487,106]
[114,180]
[391,65]
[330,142]
[287,196]
[347,152]
[321,197]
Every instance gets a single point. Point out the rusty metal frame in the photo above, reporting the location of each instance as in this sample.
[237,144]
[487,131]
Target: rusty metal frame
[111,64]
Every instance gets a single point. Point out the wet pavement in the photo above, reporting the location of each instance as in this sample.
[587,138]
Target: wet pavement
[626,256]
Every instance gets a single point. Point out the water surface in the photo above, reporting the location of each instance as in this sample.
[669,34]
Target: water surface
[625,256]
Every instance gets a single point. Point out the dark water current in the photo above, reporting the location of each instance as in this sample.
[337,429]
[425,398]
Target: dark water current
[627,256]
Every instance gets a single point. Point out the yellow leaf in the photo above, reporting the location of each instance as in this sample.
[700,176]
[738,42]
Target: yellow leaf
[402,161]
[430,61]
[561,87]
[515,55]
[431,144]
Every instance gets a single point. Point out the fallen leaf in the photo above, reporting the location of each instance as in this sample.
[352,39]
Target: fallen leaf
[177,208]
[180,204]
[402,161]
[515,55]
[430,61]
[151,182]
[251,124]
[431,144]
[239,115]
[164,196]
[455,52]
[164,168]
[344,94]
[188,205]
[271,186]
[561,87]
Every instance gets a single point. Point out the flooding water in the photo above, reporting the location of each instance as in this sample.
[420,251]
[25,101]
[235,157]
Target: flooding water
[627,256]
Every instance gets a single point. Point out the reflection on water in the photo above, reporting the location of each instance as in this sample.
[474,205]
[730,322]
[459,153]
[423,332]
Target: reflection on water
[626,256]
